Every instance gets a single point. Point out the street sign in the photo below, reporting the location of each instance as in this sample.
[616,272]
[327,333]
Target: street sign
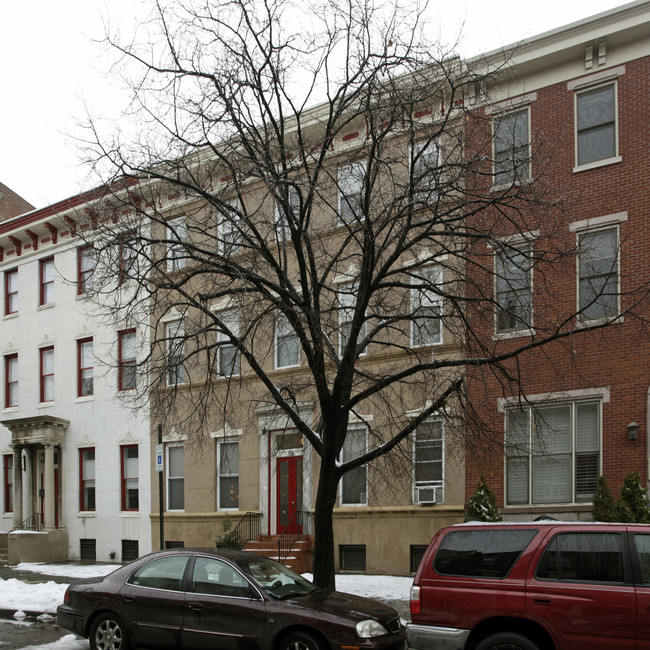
[159,458]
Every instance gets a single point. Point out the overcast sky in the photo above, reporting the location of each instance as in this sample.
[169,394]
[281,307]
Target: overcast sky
[51,66]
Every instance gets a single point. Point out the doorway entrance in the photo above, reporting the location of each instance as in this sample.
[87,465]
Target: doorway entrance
[289,494]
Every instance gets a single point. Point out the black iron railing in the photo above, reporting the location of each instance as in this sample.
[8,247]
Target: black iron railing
[298,526]
[247,529]
[31,523]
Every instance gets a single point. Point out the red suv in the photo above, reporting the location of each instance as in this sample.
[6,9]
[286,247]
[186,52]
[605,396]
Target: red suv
[533,586]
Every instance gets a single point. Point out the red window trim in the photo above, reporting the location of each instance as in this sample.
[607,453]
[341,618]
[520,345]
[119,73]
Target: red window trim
[41,270]
[8,487]
[80,369]
[7,293]
[82,482]
[123,503]
[120,360]
[43,375]
[8,359]
[81,274]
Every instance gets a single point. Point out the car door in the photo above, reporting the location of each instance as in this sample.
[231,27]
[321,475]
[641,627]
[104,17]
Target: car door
[581,590]
[223,611]
[640,541]
[153,602]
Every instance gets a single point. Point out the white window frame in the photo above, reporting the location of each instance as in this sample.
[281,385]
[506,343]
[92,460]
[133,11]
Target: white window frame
[425,300]
[347,298]
[517,171]
[350,190]
[284,332]
[231,319]
[437,483]
[180,478]
[229,236]
[581,92]
[177,235]
[175,343]
[362,430]
[425,155]
[526,454]
[226,475]
[510,250]
[283,233]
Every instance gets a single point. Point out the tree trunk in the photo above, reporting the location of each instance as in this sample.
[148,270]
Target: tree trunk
[324,575]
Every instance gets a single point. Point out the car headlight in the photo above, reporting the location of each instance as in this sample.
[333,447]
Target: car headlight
[368,629]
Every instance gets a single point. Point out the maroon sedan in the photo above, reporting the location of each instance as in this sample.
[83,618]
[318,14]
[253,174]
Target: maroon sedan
[219,599]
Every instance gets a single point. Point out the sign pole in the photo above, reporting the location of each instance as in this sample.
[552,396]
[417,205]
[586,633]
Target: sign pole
[161,499]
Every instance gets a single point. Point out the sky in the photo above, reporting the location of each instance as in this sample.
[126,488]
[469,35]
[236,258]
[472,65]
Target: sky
[54,65]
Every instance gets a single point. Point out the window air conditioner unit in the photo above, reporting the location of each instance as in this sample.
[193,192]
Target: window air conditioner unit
[428,495]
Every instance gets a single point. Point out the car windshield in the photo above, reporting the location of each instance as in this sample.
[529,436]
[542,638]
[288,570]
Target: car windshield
[278,581]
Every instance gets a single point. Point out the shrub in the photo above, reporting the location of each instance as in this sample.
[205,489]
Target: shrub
[482,505]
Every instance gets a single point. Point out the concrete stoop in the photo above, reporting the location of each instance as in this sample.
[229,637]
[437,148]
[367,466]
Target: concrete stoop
[300,558]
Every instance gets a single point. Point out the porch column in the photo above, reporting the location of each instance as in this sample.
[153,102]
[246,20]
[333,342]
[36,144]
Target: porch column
[18,486]
[48,520]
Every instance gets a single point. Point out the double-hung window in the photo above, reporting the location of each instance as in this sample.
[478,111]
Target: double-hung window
[428,462]
[228,359]
[229,227]
[128,258]
[87,479]
[350,182]
[176,235]
[287,344]
[596,131]
[85,269]
[426,306]
[598,282]
[552,453]
[11,292]
[289,215]
[354,490]
[47,374]
[8,481]
[175,477]
[228,474]
[513,286]
[511,144]
[347,297]
[175,337]
[11,380]
[46,281]
[85,365]
[425,170]
[129,477]
[126,360]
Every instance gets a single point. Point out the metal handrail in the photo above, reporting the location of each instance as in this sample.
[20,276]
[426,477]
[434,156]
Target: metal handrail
[31,523]
[288,539]
[247,529]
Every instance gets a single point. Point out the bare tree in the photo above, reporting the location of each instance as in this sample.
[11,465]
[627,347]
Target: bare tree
[319,190]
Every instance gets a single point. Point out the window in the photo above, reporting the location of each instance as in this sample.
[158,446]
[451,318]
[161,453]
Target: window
[175,335]
[47,374]
[511,153]
[130,550]
[352,557]
[229,221]
[426,307]
[353,483]
[596,124]
[128,258]
[552,453]
[129,473]
[85,367]
[428,455]
[87,479]
[85,269]
[126,361]
[416,553]
[8,481]
[162,573]
[228,473]
[11,291]
[211,576]
[351,191]
[583,557]
[598,275]
[228,359]
[347,295]
[282,230]
[425,170]
[513,284]
[11,380]
[87,549]
[176,234]
[175,477]
[287,344]
[46,275]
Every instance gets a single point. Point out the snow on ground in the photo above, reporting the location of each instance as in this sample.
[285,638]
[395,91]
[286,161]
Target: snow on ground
[68,570]
[68,642]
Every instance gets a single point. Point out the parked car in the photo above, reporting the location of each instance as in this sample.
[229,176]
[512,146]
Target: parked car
[235,600]
[535,586]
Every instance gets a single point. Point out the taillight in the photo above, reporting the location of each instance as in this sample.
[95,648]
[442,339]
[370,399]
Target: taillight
[66,596]
[416,592]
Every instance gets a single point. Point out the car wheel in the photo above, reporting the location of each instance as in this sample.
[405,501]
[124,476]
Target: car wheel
[108,633]
[507,641]
[300,641]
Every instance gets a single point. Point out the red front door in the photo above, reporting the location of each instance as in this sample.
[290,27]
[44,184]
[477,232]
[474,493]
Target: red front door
[289,494]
